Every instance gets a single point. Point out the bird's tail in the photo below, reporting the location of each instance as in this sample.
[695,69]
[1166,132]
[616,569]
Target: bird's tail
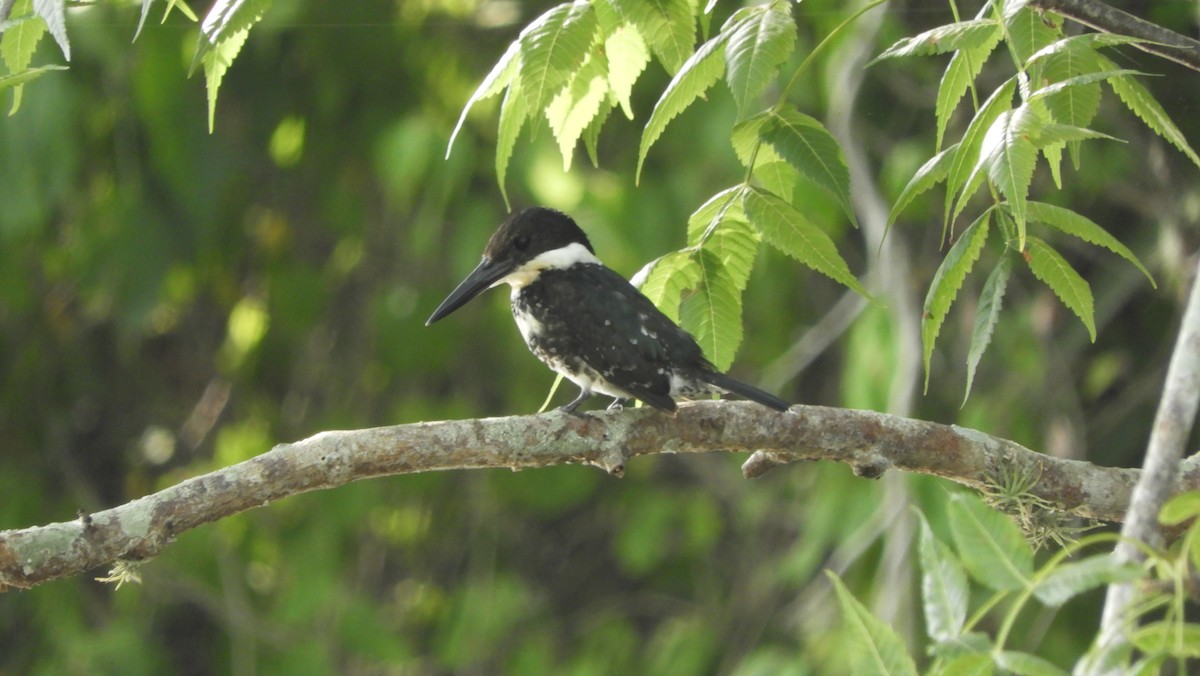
[748,391]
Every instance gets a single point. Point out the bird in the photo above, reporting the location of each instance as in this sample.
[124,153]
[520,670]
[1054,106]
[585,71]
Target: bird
[589,323]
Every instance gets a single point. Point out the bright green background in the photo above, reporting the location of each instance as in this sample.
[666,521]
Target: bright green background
[290,259]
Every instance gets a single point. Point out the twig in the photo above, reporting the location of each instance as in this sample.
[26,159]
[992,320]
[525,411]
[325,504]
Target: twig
[866,440]
[1163,42]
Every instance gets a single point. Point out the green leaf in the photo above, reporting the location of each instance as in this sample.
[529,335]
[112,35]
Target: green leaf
[756,48]
[18,43]
[1071,112]
[944,590]
[990,544]
[1165,636]
[698,74]
[1069,580]
[1056,134]
[216,61]
[665,279]
[1086,43]
[1009,156]
[948,280]
[52,13]
[1025,664]
[1143,104]
[713,314]
[513,114]
[1030,31]
[962,70]
[1180,509]
[790,231]
[726,204]
[808,146]
[1084,228]
[591,135]
[747,138]
[876,647]
[1050,267]
[949,38]
[553,47]
[227,20]
[778,177]
[968,664]
[7,81]
[987,314]
[577,103]
[499,78]
[627,58]
[934,171]
[967,156]
[668,26]
[735,243]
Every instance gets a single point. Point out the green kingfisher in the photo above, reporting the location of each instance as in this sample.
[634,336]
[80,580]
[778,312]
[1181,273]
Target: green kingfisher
[587,322]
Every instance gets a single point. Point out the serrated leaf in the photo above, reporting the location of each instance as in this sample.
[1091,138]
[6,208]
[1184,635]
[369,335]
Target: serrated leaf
[52,13]
[990,545]
[1024,664]
[970,643]
[7,81]
[627,58]
[668,26]
[1058,134]
[227,20]
[808,146]
[778,177]
[553,47]
[1143,104]
[513,114]
[1084,228]
[967,156]
[713,313]
[948,280]
[1050,267]
[1180,508]
[1084,43]
[21,37]
[747,141]
[579,101]
[970,664]
[734,242]
[877,648]
[790,231]
[987,314]
[934,171]
[756,48]
[1165,636]
[216,61]
[665,279]
[700,72]
[944,590]
[1069,580]
[706,218]
[1008,154]
[1030,31]
[1070,114]
[591,135]
[968,34]
[962,70]
[495,81]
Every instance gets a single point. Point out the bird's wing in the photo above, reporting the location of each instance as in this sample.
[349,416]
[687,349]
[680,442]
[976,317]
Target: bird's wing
[617,331]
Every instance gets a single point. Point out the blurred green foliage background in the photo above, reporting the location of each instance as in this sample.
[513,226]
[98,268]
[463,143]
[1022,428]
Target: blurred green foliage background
[173,301]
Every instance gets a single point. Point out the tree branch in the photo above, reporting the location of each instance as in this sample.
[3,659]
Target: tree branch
[868,441]
[1165,43]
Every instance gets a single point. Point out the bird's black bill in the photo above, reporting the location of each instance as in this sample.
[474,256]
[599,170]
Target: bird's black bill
[484,275]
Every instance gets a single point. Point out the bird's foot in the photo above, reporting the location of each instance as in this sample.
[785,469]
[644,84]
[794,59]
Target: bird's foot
[617,404]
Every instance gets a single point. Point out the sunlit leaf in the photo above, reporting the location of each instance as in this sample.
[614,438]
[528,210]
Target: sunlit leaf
[1086,43]
[1025,664]
[944,590]
[216,61]
[591,135]
[665,279]
[968,664]
[577,103]
[948,280]
[735,243]
[227,20]
[1143,104]
[790,231]
[1050,267]
[934,171]
[1084,228]
[513,114]
[1180,509]
[1008,154]
[553,47]
[875,647]
[755,50]
[668,27]
[499,78]
[52,13]
[967,156]
[7,81]
[698,74]
[969,34]
[721,206]
[713,313]
[990,544]
[1030,31]
[808,146]
[962,70]
[1172,637]
[987,314]
[627,58]
[1071,579]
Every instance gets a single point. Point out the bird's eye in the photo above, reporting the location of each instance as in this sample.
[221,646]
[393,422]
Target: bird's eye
[522,242]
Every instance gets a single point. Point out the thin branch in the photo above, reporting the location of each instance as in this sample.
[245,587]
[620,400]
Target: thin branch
[1163,42]
[1172,424]
[868,441]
